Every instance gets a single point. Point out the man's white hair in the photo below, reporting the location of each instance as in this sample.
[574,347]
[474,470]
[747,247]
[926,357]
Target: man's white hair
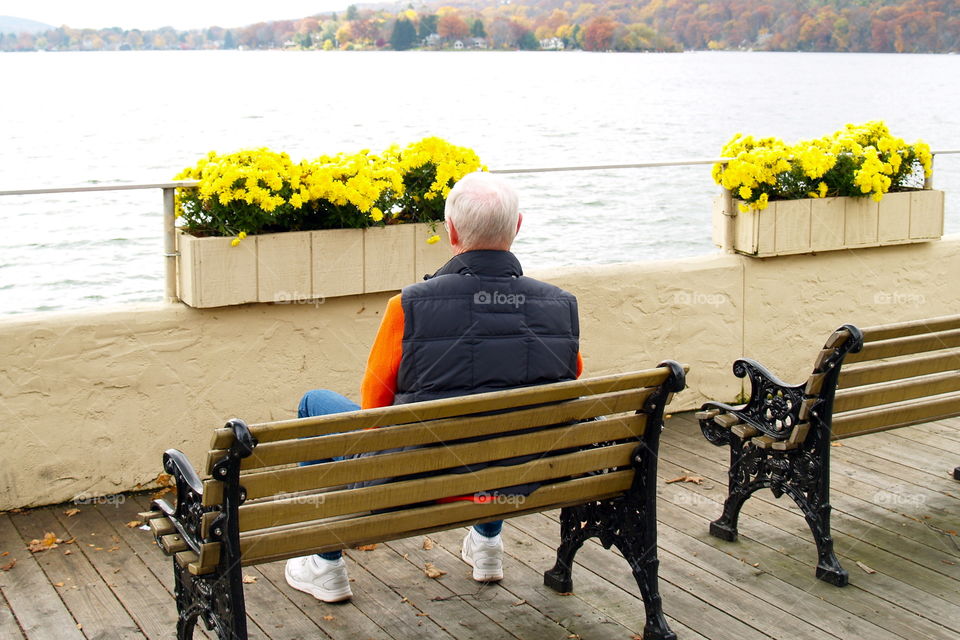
[484,210]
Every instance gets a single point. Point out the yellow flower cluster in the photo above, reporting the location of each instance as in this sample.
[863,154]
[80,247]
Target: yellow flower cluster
[451,162]
[858,160]
[261,191]
[253,176]
[359,180]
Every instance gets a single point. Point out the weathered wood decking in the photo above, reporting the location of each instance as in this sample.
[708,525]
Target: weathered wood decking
[896,515]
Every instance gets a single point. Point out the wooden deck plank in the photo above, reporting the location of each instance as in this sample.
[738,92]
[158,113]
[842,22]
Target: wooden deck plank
[854,524]
[81,588]
[436,598]
[769,589]
[682,574]
[380,602]
[677,510]
[9,629]
[139,591]
[564,617]
[35,603]
[890,448]
[592,606]
[943,428]
[897,580]
[341,620]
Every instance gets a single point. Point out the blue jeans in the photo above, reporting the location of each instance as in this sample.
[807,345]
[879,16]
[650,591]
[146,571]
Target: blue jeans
[321,402]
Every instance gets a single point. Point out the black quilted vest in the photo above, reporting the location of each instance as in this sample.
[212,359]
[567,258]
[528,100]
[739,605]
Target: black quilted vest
[478,324]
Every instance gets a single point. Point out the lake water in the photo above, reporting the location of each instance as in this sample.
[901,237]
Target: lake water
[132,117]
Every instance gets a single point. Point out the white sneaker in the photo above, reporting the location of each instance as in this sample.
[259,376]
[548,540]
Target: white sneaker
[325,580]
[485,555]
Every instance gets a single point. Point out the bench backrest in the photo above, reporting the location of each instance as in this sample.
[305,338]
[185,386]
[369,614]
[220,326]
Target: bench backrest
[905,373]
[579,438]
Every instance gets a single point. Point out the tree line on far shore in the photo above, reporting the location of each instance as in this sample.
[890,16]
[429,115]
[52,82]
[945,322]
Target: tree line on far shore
[608,25]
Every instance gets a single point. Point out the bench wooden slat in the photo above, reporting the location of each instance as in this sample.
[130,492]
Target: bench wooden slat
[871,396]
[856,376]
[435,409]
[906,346]
[403,493]
[329,446]
[268,483]
[328,536]
[911,328]
[888,417]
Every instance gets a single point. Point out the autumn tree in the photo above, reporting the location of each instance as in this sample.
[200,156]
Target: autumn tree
[598,34]
[452,27]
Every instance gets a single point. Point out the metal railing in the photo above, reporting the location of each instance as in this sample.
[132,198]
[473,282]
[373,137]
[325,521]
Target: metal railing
[169,214]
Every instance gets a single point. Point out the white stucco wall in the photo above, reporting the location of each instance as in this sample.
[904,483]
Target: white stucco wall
[89,401]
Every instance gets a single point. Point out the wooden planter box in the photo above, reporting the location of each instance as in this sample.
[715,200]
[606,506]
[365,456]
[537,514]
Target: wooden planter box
[788,227]
[306,265]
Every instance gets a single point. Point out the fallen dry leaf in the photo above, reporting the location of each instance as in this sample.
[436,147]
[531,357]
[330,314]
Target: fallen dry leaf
[79,626]
[432,572]
[948,562]
[328,617]
[836,444]
[133,524]
[114,548]
[249,579]
[4,554]
[865,567]
[71,512]
[161,493]
[67,552]
[423,614]
[404,599]
[427,544]
[165,480]
[366,547]
[70,541]
[58,584]
[518,603]
[9,565]
[50,541]
[693,479]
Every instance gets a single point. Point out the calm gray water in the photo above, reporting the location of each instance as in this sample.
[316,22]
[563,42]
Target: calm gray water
[86,118]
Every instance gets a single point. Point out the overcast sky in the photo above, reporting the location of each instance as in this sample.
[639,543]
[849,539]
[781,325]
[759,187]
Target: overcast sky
[146,14]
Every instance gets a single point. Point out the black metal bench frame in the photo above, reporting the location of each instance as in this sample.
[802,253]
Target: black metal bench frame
[781,438]
[205,540]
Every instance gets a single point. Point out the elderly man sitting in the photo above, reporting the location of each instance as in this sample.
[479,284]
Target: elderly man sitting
[478,324]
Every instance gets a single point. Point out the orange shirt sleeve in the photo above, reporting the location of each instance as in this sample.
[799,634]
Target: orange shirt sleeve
[579,364]
[380,378]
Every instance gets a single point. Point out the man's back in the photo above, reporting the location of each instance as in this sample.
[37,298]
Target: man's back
[479,325]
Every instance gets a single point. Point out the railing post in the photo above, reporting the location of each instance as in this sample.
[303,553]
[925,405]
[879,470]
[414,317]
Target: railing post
[729,222]
[170,245]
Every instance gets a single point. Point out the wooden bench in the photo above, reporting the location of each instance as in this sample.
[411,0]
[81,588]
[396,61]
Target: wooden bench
[865,381]
[592,443]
